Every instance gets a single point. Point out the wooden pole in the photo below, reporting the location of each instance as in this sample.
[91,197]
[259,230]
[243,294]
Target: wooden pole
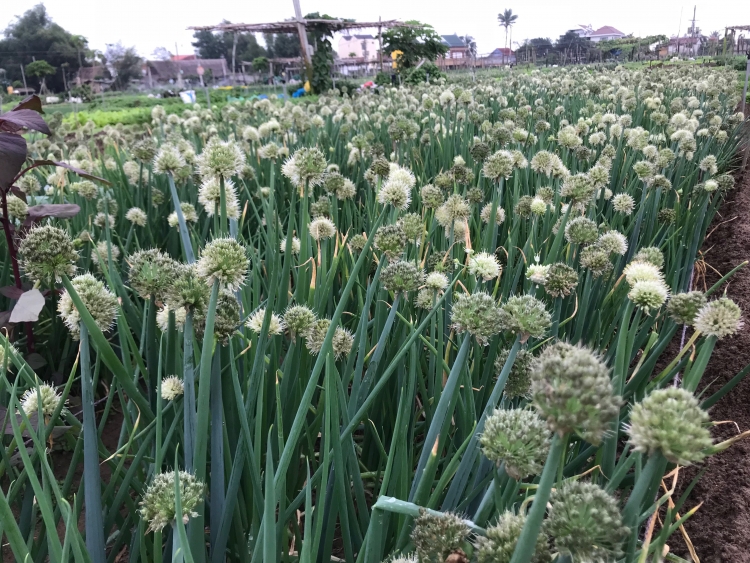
[302,30]
[380,43]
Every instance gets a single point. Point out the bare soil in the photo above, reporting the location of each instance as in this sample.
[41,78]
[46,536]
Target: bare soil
[720,530]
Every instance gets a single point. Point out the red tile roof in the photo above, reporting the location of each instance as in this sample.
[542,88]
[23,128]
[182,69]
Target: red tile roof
[607,30]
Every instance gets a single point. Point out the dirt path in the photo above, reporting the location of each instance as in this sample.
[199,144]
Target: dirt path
[720,531]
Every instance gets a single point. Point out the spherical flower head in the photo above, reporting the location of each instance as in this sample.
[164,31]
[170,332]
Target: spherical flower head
[85,188]
[47,254]
[401,277]
[306,166]
[640,270]
[501,540]
[585,523]
[581,230]
[168,160]
[322,228]
[296,245]
[151,273]
[315,335]
[187,289]
[298,319]
[162,317]
[526,316]
[395,193]
[145,150]
[572,390]
[432,196]
[709,165]
[547,163]
[538,206]
[46,396]
[220,159]
[17,207]
[136,216]
[321,208]
[28,184]
[391,240]
[209,195]
[719,318]
[413,226]
[436,281]
[477,314]
[479,151]
[578,188]
[342,342]
[519,438]
[224,260]
[644,169]
[670,421]
[171,388]
[561,280]
[596,259]
[454,209]
[623,203]
[519,378]
[499,165]
[484,265]
[649,294]
[613,242]
[537,273]
[98,300]
[380,167]
[710,186]
[436,536]
[255,323]
[158,506]
[683,307]
[226,319]
[484,215]
[269,151]
[357,242]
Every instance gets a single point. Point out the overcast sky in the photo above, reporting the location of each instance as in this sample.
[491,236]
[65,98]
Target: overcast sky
[148,24]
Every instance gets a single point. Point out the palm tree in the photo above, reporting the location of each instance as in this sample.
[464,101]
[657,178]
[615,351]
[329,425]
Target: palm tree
[506,20]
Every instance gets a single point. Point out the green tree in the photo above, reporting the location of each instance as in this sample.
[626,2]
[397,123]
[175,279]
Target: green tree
[506,20]
[416,42]
[40,69]
[34,34]
[282,45]
[260,64]
[124,64]
[319,36]
[221,45]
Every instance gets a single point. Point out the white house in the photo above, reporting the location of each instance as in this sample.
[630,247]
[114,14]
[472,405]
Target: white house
[362,47]
[602,34]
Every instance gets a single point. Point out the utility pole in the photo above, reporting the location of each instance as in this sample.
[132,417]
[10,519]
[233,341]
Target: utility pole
[234,53]
[303,40]
[380,43]
[23,75]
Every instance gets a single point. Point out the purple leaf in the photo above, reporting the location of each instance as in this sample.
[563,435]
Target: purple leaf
[14,121]
[11,291]
[30,102]
[59,210]
[12,157]
[28,307]
[81,173]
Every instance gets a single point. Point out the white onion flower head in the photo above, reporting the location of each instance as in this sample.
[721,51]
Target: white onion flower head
[649,294]
[642,271]
[50,400]
[168,160]
[537,273]
[436,281]
[220,158]
[614,242]
[322,228]
[224,260]
[295,245]
[171,388]
[484,265]
[623,203]
[162,318]
[719,318]
[255,323]
[136,216]
[397,189]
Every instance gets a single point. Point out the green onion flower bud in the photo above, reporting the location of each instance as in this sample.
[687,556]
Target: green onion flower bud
[519,438]
[168,160]
[226,319]
[136,216]
[158,507]
[432,196]
[391,240]
[578,188]
[526,316]
[342,342]
[401,276]
[683,307]
[623,203]
[484,215]
[151,273]
[98,300]
[571,388]
[581,230]
[47,254]
[298,319]
[255,322]
[225,260]
[670,421]
[650,254]
[437,536]
[561,279]
[519,378]
[585,523]
[596,260]
[501,540]
[220,158]
[477,314]
[649,294]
